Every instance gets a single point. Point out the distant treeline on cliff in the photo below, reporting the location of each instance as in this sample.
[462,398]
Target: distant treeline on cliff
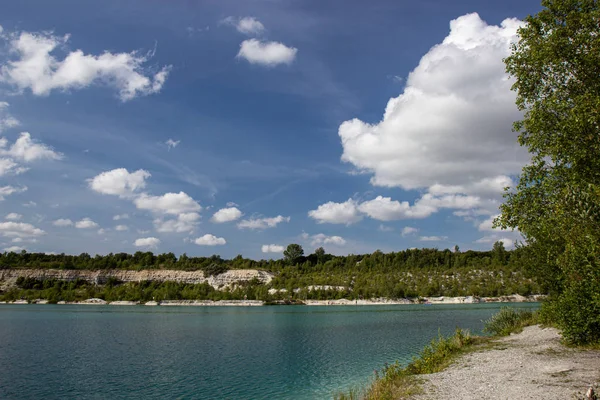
[408,273]
[375,262]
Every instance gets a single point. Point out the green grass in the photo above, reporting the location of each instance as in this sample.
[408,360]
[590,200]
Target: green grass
[509,320]
[398,382]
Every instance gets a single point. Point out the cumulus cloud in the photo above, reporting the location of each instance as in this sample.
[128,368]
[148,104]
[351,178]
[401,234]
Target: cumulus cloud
[487,224]
[27,150]
[226,215]
[85,223]
[272,248]
[268,54]
[337,213]
[13,216]
[385,228]
[409,230]
[433,238]
[507,242]
[23,150]
[120,217]
[119,182]
[246,25]
[321,239]
[34,66]
[171,144]
[210,240]
[14,249]
[149,242]
[6,120]
[185,222]
[169,203]
[8,190]
[386,209]
[62,222]
[121,228]
[450,130]
[262,223]
[19,229]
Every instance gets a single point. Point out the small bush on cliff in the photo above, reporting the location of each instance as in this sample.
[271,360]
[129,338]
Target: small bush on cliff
[214,269]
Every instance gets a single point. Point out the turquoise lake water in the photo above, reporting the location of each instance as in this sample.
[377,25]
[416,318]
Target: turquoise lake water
[277,352]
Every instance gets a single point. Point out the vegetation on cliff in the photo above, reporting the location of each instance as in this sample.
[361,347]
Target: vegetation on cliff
[319,276]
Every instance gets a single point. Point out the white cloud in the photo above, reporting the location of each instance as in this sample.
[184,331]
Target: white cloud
[85,223]
[268,54]
[13,216]
[262,223]
[24,150]
[210,240]
[386,209]
[6,120]
[185,222]
[272,248]
[337,213]
[150,242]
[321,238]
[451,127]
[29,203]
[246,25]
[119,182]
[9,166]
[507,242]
[171,144]
[34,67]
[226,215]
[487,225]
[62,222]
[121,228]
[169,203]
[19,229]
[8,190]
[250,26]
[27,150]
[384,228]
[101,231]
[120,217]
[14,249]
[433,238]
[409,230]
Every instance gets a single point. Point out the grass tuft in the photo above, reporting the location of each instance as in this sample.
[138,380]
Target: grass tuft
[509,320]
[398,382]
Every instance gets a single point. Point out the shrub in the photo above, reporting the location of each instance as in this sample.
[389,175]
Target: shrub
[509,320]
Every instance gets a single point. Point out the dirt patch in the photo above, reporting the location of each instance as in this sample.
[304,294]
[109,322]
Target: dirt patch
[530,365]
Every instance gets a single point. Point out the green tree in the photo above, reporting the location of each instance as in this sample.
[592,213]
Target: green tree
[556,205]
[320,253]
[293,253]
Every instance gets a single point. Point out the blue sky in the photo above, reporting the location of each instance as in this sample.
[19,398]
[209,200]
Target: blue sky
[238,127]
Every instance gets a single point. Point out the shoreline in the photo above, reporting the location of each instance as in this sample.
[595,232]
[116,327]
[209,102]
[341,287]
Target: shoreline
[533,364]
[339,302]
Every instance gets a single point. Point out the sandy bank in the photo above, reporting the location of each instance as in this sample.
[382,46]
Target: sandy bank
[340,302]
[530,365]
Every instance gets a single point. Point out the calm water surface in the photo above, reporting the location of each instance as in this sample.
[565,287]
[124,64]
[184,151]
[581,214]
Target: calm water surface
[285,352]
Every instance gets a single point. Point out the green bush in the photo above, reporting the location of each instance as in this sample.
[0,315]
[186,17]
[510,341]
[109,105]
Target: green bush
[508,320]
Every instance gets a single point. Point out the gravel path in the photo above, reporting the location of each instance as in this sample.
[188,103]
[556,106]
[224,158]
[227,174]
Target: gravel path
[530,365]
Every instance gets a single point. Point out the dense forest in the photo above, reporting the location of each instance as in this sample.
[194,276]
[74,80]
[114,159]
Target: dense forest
[408,273]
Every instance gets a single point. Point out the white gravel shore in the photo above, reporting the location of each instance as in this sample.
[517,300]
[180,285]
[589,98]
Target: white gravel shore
[530,365]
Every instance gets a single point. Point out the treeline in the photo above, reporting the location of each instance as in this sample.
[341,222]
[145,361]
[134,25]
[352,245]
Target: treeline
[410,273]
[377,261]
